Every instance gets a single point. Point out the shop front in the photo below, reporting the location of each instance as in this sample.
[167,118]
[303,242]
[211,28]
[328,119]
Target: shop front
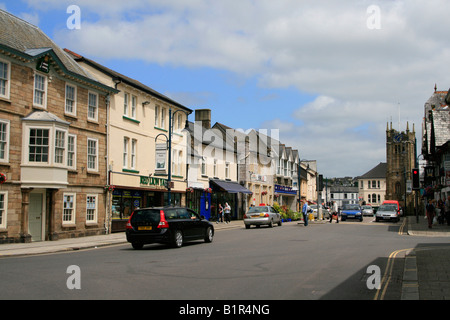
[224,191]
[206,201]
[152,192]
[200,200]
[286,196]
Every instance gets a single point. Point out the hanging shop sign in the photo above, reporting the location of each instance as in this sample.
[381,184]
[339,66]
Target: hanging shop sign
[161,152]
[43,64]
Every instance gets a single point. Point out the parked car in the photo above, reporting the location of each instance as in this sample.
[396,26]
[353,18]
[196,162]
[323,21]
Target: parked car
[171,225]
[351,211]
[314,210]
[387,212]
[262,215]
[367,210]
[394,202]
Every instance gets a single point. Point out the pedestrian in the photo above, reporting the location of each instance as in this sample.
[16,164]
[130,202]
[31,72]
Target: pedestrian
[305,212]
[227,211]
[430,212]
[447,210]
[220,214]
[440,212]
[334,212]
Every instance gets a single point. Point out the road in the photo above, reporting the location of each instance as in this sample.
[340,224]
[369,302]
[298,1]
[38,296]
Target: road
[291,262]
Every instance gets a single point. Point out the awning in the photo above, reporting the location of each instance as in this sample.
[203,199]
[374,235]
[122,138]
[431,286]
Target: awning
[230,186]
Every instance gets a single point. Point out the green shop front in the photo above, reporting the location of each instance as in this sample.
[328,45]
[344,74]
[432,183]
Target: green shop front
[152,192]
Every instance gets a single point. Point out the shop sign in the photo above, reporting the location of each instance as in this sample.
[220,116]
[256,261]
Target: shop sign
[43,64]
[284,189]
[161,150]
[151,181]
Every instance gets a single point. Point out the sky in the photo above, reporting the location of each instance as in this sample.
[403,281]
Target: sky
[327,76]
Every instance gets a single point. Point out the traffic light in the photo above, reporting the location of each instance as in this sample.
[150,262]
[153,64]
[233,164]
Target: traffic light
[415,179]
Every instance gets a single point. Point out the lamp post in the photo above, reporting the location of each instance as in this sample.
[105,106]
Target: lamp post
[169,147]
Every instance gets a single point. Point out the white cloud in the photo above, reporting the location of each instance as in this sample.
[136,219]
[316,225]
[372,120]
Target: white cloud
[346,138]
[320,47]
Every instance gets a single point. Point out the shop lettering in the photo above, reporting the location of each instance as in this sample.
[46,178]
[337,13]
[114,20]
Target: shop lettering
[150,181]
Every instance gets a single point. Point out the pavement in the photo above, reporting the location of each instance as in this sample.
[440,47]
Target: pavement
[426,274]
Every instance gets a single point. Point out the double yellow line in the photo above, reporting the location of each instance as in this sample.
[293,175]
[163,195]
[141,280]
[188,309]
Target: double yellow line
[387,275]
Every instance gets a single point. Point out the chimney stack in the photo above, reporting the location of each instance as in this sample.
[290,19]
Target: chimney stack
[204,116]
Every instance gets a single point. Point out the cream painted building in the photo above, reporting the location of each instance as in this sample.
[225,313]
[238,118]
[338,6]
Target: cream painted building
[138,136]
[212,174]
[372,185]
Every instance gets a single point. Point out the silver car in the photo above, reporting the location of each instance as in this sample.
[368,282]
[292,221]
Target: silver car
[387,212]
[314,208]
[367,210]
[262,215]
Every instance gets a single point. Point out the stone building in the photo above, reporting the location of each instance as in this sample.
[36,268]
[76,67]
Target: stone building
[372,185]
[400,159]
[436,146]
[53,139]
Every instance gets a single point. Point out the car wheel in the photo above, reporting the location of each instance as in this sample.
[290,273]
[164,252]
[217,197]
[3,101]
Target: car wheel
[209,235]
[279,223]
[247,226]
[271,224]
[137,246]
[177,239]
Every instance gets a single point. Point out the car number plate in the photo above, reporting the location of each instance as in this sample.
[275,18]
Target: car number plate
[145,228]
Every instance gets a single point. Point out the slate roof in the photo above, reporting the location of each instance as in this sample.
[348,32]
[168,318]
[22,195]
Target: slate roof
[377,172]
[436,122]
[441,122]
[130,81]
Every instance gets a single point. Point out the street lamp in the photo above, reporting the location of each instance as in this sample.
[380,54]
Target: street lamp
[169,140]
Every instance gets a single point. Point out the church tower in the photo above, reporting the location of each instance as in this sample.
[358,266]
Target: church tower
[400,158]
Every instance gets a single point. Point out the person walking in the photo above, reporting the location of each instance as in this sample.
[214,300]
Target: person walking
[430,212]
[220,214]
[305,212]
[447,210]
[227,211]
[440,212]
[334,212]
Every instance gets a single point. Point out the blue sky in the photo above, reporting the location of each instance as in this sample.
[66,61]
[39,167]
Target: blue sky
[327,74]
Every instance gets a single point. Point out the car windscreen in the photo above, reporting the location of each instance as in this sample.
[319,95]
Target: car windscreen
[258,209]
[387,208]
[146,215]
[350,207]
